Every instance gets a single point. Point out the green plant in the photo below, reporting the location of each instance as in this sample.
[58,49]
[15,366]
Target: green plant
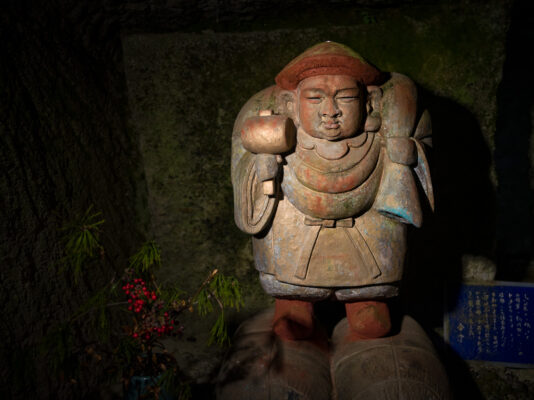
[368,18]
[151,310]
[82,242]
[226,292]
[147,257]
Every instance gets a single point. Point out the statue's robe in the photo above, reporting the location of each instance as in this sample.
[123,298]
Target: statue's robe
[337,225]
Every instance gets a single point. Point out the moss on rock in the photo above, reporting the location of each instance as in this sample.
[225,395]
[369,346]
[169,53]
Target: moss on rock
[186,89]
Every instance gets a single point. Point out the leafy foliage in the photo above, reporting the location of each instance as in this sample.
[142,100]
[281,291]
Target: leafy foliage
[170,384]
[219,331]
[227,290]
[147,258]
[97,304]
[153,311]
[226,293]
[173,294]
[204,304]
[82,242]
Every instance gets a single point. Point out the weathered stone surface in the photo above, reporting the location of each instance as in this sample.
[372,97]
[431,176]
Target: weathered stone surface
[514,149]
[185,90]
[63,146]
[478,268]
[63,101]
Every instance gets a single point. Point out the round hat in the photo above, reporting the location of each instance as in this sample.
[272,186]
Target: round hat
[328,58]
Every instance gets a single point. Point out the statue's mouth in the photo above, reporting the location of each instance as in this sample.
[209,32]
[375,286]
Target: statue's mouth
[330,129]
[331,125]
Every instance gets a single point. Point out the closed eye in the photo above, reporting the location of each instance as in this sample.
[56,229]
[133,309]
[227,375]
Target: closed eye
[347,99]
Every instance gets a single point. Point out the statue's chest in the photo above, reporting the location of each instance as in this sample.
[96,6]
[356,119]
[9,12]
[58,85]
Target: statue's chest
[333,182]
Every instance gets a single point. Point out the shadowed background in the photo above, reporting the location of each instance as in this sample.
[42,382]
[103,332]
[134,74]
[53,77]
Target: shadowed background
[130,106]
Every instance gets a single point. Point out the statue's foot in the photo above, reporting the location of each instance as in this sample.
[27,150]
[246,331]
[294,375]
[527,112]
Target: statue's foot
[367,320]
[293,319]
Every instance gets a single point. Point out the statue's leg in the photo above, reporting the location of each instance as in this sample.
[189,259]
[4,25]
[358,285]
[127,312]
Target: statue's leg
[293,319]
[367,319]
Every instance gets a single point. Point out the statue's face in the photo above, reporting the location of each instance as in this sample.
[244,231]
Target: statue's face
[330,107]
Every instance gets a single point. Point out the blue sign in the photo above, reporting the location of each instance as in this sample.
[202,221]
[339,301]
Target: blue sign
[493,321]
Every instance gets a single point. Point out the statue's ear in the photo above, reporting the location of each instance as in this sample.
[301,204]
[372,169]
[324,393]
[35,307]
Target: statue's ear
[373,120]
[288,104]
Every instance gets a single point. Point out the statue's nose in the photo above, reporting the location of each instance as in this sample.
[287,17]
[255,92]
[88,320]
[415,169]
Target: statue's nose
[330,108]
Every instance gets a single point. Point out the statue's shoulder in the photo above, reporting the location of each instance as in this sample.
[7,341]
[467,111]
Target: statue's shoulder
[271,98]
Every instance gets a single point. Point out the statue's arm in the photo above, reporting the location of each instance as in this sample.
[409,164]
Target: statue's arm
[256,161]
[253,209]
[423,138]
[404,135]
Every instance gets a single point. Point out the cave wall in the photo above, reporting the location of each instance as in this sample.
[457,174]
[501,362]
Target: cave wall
[64,145]
[514,151]
[186,88]
[129,106]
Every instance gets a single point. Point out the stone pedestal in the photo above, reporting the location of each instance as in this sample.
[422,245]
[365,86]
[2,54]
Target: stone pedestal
[261,366]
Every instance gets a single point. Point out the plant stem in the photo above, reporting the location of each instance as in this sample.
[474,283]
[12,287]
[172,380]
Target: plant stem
[120,303]
[191,300]
[206,282]
[216,298]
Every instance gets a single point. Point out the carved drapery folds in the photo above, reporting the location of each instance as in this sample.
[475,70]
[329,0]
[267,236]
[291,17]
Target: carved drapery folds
[332,221]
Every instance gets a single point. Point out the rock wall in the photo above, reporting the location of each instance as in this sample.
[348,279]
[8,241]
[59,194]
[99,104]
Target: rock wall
[185,90]
[514,151]
[64,145]
[87,114]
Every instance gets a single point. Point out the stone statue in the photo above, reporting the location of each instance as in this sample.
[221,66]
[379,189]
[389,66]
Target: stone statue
[329,169]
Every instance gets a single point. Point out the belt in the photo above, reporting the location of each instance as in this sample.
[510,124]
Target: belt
[361,249]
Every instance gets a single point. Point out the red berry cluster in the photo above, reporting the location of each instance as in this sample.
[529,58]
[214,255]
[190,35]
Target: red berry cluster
[139,296]
[151,319]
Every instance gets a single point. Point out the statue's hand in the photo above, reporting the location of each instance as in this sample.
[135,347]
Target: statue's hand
[267,168]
